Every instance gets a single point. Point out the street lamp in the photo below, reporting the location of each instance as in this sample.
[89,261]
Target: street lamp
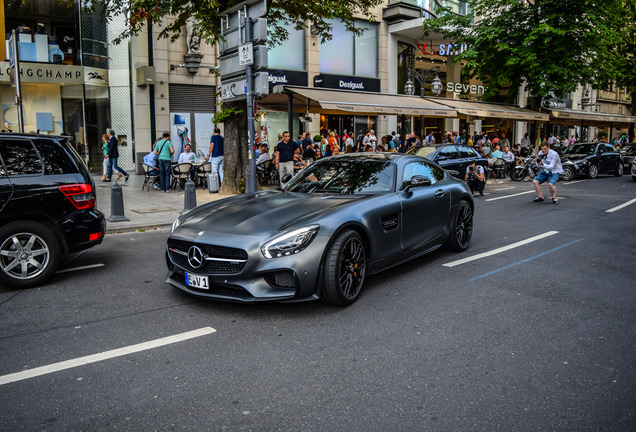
[422,77]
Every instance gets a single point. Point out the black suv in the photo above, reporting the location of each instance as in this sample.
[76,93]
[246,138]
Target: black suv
[47,207]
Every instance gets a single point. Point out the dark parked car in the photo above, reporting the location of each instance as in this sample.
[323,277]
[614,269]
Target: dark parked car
[47,207]
[453,157]
[592,159]
[629,155]
[340,219]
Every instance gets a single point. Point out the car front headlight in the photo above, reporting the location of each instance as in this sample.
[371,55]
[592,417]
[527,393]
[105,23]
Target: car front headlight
[290,242]
[175,224]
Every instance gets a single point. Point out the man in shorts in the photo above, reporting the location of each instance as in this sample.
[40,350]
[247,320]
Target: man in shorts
[552,169]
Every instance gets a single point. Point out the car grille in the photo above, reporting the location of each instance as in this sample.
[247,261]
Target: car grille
[179,254]
[282,280]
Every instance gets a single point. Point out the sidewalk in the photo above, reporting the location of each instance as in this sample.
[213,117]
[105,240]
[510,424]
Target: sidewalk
[146,210]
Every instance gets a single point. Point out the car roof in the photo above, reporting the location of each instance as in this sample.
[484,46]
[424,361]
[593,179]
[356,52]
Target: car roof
[31,135]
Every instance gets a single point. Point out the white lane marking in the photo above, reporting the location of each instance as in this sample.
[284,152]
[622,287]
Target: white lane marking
[86,267]
[499,250]
[570,182]
[81,361]
[510,196]
[612,210]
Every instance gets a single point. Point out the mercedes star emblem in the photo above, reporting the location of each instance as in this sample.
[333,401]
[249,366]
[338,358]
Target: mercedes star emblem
[195,257]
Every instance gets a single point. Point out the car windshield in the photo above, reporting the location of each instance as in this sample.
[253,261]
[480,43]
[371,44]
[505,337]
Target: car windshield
[580,149]
[423,151]
[344,176]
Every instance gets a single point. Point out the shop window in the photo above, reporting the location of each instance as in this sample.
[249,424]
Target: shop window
[347,54]
[290,54]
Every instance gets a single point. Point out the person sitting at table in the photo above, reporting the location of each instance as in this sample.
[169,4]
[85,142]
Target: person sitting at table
[263,156]
[496,154]
[151,160]
[299,163]
[188,156]
[509,157]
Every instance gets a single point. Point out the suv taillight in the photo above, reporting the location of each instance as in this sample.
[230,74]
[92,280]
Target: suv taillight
[81,195]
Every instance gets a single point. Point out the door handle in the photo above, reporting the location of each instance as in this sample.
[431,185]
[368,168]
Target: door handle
[439,193]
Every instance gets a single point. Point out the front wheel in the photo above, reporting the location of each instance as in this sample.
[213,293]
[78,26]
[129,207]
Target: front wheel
[619,169]
[461,229]
[29,254]
[568,173]
[593,172]
[518,173]
[345,266]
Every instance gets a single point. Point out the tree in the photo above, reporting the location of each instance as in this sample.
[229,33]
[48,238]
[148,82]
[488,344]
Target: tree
[206,14]
[617,63]
[551,46]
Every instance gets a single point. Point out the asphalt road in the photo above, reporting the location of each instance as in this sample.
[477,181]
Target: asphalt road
[536,337]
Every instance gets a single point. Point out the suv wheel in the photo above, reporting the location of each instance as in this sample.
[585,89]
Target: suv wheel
[29,254]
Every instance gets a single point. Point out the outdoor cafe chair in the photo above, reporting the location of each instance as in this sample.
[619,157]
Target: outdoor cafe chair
[148,178]
[180,174]
[201,172]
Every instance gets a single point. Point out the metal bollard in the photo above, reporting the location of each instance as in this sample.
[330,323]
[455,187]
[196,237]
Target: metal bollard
[116,204]
[190,196]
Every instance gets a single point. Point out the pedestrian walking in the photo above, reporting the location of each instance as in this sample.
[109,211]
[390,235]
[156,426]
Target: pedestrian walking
[113,155]
[105,162]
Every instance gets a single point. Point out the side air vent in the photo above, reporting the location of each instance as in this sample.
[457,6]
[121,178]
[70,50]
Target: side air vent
[390,222]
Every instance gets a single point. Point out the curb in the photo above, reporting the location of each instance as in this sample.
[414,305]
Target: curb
[136,228]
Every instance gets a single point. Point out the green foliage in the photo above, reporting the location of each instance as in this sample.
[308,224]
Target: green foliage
[317,138]
[206,14]
[601,134]
[550,45]
[223,114]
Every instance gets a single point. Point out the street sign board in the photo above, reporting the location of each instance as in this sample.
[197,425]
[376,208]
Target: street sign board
[233,37]
[246,54]
[230,64]
[255,9]
[236,88]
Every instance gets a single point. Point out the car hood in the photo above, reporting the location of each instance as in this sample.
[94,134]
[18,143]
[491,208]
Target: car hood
[575,156]
[264,212]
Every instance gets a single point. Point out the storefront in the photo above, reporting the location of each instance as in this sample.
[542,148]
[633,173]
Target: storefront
[60,99]
[584,124]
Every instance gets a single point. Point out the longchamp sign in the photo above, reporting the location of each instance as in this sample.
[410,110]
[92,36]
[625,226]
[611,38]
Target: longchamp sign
[48,73]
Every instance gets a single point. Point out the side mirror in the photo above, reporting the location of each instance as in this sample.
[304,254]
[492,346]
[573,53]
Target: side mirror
[287,177]
[453,172]
[418,181]
[441,158]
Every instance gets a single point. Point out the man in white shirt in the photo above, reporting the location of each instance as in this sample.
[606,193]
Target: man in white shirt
[188,156]
[552,169]
[475,178]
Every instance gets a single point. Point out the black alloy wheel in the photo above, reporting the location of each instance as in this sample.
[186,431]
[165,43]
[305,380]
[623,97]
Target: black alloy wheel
[568,173]
[29,254]
[462,228]
[593,172]
[345,266]
[619,169]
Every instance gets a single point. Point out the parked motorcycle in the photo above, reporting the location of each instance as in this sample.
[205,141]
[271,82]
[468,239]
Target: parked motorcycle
[531,168]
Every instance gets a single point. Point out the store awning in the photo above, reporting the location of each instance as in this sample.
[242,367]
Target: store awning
[491,110]
[595,117]
[330,101]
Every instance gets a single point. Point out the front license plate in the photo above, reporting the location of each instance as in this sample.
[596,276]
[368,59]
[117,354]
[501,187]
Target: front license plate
[196,281]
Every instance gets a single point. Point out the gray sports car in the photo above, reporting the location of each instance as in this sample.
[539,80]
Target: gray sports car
[340,219]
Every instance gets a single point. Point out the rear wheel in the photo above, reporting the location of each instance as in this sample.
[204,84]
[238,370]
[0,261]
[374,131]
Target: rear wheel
[568,173]
[593,173]
[518,173]
[462,228]
[29,254]
[619,169]
[345,266]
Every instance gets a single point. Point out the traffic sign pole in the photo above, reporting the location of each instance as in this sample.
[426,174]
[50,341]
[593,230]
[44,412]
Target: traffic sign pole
[250,183]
